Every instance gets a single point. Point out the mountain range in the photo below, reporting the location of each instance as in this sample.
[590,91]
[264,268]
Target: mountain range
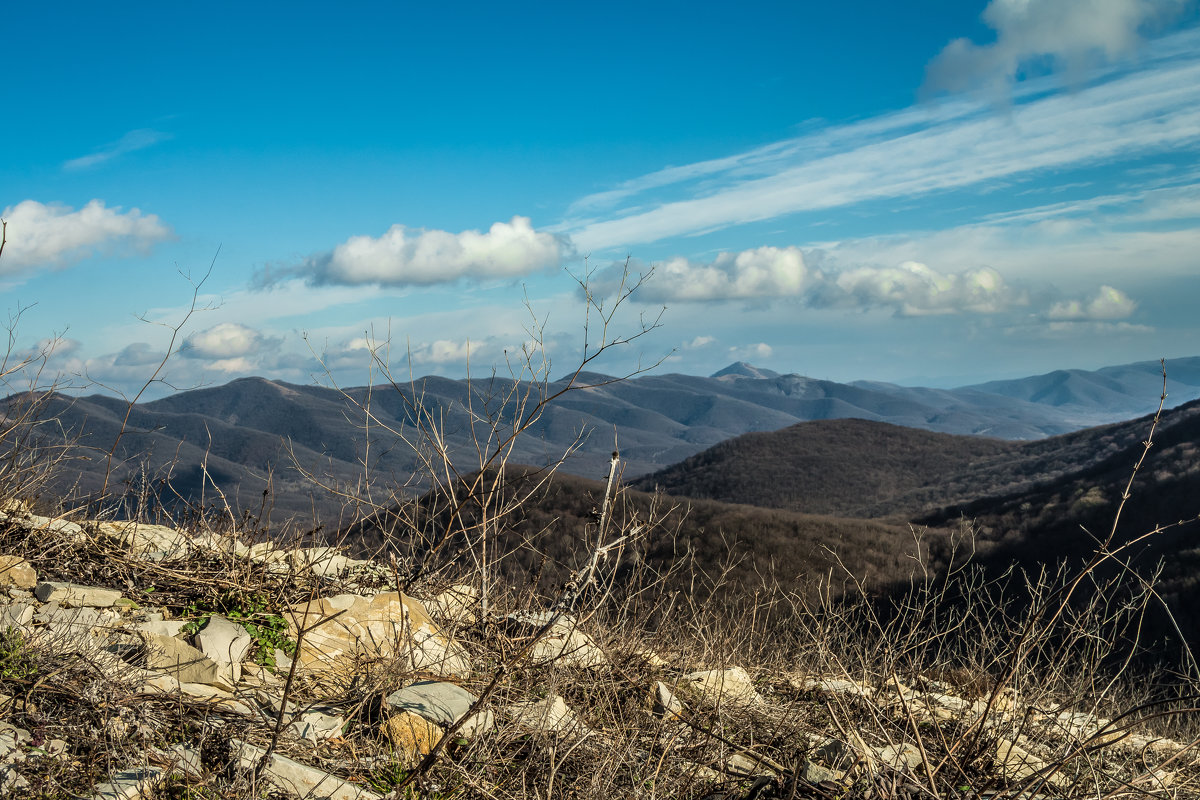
[301,441]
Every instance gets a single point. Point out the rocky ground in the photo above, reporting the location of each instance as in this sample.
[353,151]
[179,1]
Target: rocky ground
[143,661]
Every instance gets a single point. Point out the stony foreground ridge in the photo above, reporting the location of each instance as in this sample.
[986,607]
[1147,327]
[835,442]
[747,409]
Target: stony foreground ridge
[140,661]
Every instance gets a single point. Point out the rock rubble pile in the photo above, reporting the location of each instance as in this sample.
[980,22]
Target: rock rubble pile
[136,658]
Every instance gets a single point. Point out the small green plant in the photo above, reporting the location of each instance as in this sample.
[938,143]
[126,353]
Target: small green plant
[251,610]
[16,661]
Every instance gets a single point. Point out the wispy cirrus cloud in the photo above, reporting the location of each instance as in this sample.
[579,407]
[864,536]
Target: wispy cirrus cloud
[131,142]
[1124,115]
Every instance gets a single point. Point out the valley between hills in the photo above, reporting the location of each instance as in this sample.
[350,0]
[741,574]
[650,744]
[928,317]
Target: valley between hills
[752,477]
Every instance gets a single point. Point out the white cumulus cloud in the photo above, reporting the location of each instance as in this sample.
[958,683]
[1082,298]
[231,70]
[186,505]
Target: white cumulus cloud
[750,274]
[750,352]
[914,289]
[766,273]
[227,341]
[405,256]
[55,236]
[1034,35]
[1107,304]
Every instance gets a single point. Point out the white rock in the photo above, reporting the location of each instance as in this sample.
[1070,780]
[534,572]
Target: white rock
[226,643]
[564,644]
[73,595]
[161,627]
[836,686]
[141,538]
[903,756]
[456,604]
[17,615]
[183,662]
[442,703]
[717,686]
[300,779]
[345,629]
[130,784]
[665,701]
[316,727]
[550,714]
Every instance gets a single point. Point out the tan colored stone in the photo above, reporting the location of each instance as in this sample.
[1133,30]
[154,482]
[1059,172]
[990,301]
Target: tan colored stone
[300,779]
[16,572]
[411,734]
[346,628]
[72,595]
[717,686]
[564,644]
[141,538]
[456,604]
[183,662]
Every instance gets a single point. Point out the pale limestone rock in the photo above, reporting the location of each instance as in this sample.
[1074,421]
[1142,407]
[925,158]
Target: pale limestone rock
[837,686]
[17,573]
[664,701]
[34,522]
[564,644]
[717,686]
[73,595]
[651,659]
[456,604]
[348,627]
[11,780]
[130,784]
[182,661]
[1017,763]
[300,779]
[741,764]
[226,643]
[268,553]
[815,773]
[316,726]
[161,627]
[442,703]
[411,735]
[143,539]
[326,562]
[17,615]
[551,715]
[903,756]
[217,698]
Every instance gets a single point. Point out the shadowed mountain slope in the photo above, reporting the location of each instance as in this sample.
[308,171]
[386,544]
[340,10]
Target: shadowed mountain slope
[869,469]
[253,432]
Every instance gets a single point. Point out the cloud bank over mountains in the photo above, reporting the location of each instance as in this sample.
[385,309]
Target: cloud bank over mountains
[770,274]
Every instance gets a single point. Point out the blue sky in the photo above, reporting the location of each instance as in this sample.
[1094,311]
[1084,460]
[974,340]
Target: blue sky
[937,192]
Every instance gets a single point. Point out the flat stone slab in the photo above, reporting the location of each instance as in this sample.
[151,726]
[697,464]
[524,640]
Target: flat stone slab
[441,703]
[301,779]
[72,595]
[130,784]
